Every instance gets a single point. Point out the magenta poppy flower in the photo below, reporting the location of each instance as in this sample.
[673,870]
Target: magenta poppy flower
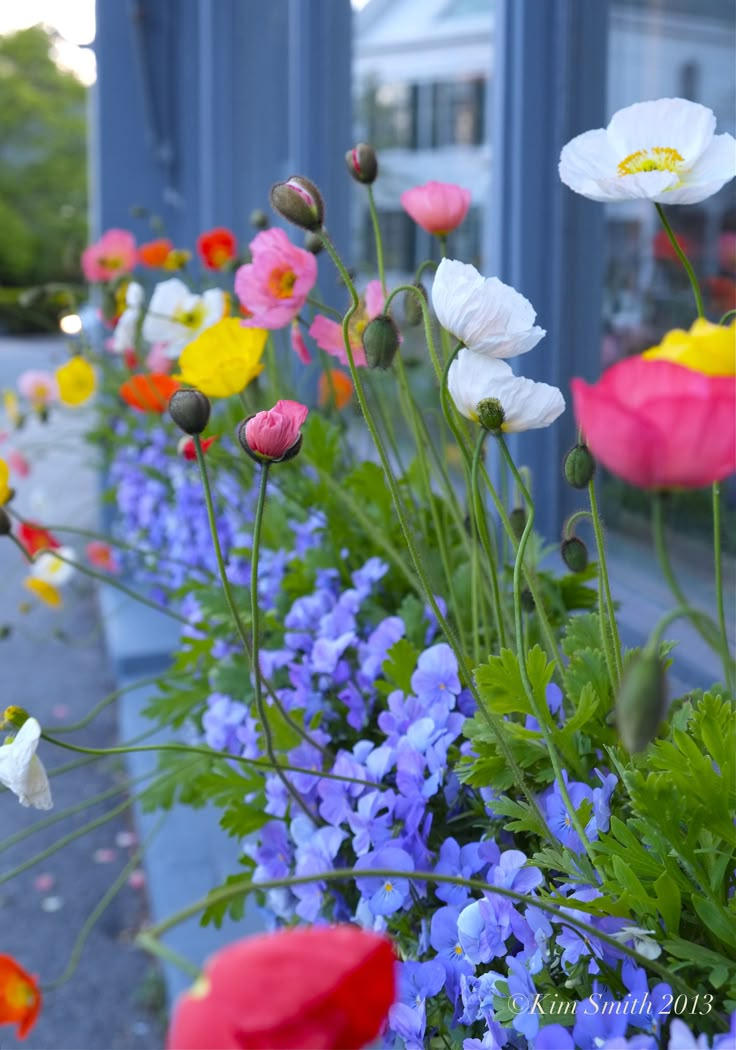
[658,425]
[274,287]
[322,987]
[328,334]
[298,345]
[113,255]
[438,207]
[271,435]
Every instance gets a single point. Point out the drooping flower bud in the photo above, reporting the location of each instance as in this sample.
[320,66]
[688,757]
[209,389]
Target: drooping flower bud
[190,410]
[574,554]
[490,414]
[6,525]
[527,600]
[518,519]
[259,219]
[313,243]
[412,306]
[362,163]
[579,466]
[641,702]
[299,201]
[274,436]
[380,341]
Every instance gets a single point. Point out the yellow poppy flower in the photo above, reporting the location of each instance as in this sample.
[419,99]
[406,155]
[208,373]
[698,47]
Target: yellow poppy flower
[76,381]
[223,359]
[43,590]
[708,348]
[12,408]
[5,489]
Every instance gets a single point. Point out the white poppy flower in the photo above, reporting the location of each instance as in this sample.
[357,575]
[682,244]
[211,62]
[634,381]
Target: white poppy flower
[51,569]
[123,338]
[485,314]
[526,405]
[176,316]
[22,771]
[663,151]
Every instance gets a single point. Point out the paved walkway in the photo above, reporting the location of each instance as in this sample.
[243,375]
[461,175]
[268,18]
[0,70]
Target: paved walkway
[105,1004]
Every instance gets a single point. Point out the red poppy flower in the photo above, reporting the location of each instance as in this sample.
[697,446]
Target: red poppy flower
[186,446]
[217,247]
[20,997]
[317,988]
[148,393]
[155,253]
[35,539]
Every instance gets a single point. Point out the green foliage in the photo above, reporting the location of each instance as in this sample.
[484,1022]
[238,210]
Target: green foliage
[42,165]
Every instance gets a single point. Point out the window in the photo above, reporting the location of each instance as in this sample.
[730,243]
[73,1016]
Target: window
[398,237]
[391,115]
[457,113]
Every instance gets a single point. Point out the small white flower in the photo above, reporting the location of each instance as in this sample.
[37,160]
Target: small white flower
[484,313]
[664,151]
[123,338]
[176,316]
[644,942]
[527,405]
[51,569]
[22,771]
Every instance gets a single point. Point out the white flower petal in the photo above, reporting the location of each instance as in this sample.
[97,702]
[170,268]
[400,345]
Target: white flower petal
[716,167]
[645,185]
[587,157]
[51,569]
[527,405]
[486,315]
[672,122]
[21,771]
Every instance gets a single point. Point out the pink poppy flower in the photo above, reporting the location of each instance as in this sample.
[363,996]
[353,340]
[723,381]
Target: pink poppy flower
[328,334]
[275,286]
[113,255]
[18,464]
[101,556]
[659,425]
[158,359]
[270,435]
[298,345]
[438,207]
[39,387]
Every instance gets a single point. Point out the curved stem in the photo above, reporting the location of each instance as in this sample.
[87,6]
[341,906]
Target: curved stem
[609,627]
[541,716]
[494,723]
[729,314]
[572,521]
[683,259]
[426,320]
[255,647]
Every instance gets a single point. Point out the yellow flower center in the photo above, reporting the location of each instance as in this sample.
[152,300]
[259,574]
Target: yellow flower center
[19,993]
[388,887]
[40,392]
[191,318]
[111,262]
[281,283]
[658,158]
[357,326]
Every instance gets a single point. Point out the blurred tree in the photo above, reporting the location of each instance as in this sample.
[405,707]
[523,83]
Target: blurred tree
[43,165]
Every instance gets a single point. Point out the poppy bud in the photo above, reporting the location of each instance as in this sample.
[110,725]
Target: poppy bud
[412,306]
[518,519]
[380,341]
[299,201]
[574,554]
[273,436]
[15,716]
[362,163]
[527,600]
[490,414]
[579,466]
[313,243]
[6,525]
[190,410]
[259,219]
[641,701]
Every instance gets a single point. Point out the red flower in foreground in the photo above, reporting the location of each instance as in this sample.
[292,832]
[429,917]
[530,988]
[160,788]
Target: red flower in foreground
[186,446]
[658,425]
[35,539]
[316,988]
[217,247]
[148,393]
[271,435]
[155,253]
[20,998]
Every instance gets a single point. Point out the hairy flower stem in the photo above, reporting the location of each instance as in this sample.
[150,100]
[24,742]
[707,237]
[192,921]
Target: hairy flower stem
[607,615]
[227,591]
[541,716]
[561,912]
[482,526]
[683,259]
[494,723]
[379,241]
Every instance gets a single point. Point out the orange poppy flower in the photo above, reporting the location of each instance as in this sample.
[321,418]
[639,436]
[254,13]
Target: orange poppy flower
[217,247]
[35,539]
[155,253]
[20,997]
[149,392]
[334,388]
